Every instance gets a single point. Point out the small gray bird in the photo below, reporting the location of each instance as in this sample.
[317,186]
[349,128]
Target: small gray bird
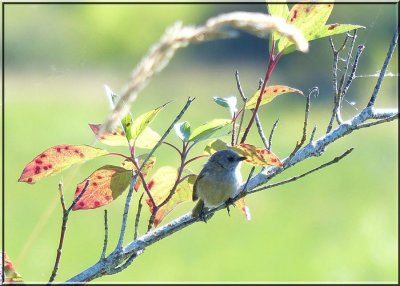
[218,181]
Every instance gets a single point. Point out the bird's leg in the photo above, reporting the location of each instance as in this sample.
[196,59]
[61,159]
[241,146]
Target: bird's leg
[227,203]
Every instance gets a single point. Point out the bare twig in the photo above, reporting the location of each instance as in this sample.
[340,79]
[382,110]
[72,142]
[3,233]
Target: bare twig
[352,75]
[271,134]
[137,219]
[244,98]
[335,160]
[313,134]
[304,137]
[177,118]
[103,252]
[239,86]
[261,132]
[388,119]
[66,213]
[127,263]
[384,67]
[126,210]
[342,80]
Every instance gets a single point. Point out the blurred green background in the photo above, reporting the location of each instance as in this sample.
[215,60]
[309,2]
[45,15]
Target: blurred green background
[339,224]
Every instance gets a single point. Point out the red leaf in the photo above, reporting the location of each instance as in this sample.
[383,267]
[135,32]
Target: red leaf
[106,184]
[56,159]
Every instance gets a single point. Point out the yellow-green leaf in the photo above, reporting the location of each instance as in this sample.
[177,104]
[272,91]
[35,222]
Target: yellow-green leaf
[257,156]
[206,130]
[106,184]
[143,120]
[214,146]
[56,159]
[148,139]
[160,186]
[269,94]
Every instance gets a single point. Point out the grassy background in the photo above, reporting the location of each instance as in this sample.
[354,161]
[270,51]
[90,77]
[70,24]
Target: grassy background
[339,224]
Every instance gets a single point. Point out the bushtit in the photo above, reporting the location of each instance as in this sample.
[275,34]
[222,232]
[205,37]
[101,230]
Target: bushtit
[218,181]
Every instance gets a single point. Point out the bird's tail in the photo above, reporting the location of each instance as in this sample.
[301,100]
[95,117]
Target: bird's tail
[198,211]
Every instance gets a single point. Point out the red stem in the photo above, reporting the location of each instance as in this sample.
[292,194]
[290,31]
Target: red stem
[273,59]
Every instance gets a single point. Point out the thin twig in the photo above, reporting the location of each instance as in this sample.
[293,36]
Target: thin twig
[388,119]
[352,75]
[272,134]
[66,213]
[233,129]
[248,178]
[384,67]
[353,39]
[126,210]
[304,137]
[313,133]
[335,160]
[103,253]
[137,219]
[244,98]
[178,117]
[169,144]
[261,132]
[336,94]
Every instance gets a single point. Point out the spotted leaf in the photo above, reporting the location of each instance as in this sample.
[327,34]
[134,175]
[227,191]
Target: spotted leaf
[269,94]
[106,184]
[56,159]
[127,164]
[257,156]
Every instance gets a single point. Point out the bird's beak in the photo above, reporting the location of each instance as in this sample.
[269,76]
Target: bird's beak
[242,158]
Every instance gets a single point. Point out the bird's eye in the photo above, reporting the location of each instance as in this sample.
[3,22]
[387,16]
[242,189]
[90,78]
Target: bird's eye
[231,159]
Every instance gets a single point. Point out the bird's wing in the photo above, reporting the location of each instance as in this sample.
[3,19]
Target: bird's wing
[201,175]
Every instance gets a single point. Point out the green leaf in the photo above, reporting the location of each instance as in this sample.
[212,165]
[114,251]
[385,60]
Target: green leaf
[106,184]
[57,159]
[143,120]
[206,130]
[214,146]
[182,130]
[269,94]
[308,18]
[229,102]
